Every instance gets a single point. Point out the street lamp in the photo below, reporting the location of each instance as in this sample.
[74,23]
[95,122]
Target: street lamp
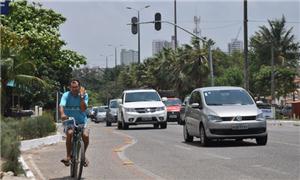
[138,27]
[110,45]
[106,59]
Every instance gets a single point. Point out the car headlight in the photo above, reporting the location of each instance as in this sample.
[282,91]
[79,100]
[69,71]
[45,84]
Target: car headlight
[129,109]
[260,117]
[160,108]
[214,118]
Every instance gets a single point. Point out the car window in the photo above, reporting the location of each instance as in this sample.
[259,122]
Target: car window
[141,96]
[195,98]
[227,97]
[172,102]
[114,104]
[102,109]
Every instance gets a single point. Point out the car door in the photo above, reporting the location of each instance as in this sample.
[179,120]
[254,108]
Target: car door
[192,119]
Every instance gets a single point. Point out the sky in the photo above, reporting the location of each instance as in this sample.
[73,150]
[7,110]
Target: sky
[92,25]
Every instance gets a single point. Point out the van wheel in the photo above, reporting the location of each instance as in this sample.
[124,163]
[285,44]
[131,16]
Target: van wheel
[203,139]
[186,136]
[262,140]
[163,125]
[125,125]
[119,125]
[108,123]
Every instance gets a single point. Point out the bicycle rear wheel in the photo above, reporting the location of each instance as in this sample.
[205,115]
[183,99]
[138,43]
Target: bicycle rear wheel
[81,157]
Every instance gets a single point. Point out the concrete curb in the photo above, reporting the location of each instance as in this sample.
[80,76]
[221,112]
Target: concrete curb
[284,122]
[26,169]
[34,143]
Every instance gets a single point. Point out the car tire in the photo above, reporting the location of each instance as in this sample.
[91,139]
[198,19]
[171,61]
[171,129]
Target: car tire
[187,137]
[262,140]
[108,123]
[125,125]
[119,125]
[203,138]
[163,125]
[155,126]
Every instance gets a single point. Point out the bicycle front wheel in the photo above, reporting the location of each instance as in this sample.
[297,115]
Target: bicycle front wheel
[81,157]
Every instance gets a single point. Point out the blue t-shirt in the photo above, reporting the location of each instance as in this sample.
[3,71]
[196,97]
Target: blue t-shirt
[71,106]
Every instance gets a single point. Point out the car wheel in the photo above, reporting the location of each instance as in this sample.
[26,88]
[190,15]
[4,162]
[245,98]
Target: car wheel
[203,139]
[186,136]
[163,125]
[262,140]
[125,125]
[119,125]
[108,123]
[155,126]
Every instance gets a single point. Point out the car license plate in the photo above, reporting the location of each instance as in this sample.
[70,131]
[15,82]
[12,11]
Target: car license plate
[239,126]
[173,116]
[147,118]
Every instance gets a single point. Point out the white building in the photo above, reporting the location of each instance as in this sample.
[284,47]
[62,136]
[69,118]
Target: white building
[158,45]
[235,45]
[128,56]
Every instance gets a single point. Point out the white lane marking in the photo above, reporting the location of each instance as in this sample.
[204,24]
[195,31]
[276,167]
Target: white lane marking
[123,157]
[182,147]
[36,168]
[217,156]
[290,144]
[269,169]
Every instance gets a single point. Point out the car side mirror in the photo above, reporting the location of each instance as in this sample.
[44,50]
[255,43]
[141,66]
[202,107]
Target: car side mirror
[196,105]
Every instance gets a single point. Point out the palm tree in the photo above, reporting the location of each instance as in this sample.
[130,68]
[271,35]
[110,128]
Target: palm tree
[280,39]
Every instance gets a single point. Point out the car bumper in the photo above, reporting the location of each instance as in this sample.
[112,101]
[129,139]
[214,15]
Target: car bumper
[145,118]
[241,129]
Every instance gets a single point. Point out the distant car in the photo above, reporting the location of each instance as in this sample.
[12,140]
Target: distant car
[266,109]
[173,109]
[93,113]
[223,113]
[101,114]
[287,111]
[112,111]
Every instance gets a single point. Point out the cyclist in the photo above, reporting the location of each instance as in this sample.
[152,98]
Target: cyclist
[73,104]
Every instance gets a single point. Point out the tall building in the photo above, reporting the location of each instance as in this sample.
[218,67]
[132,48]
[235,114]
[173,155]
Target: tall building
[158,45]
[235,45]
[128,56]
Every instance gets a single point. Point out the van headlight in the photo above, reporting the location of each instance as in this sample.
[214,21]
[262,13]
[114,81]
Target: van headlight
[160,108]
[129,110]
[214,118]
[260,117]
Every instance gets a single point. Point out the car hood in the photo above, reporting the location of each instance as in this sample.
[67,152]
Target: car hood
[147,104]
[233,110]
[113,110]
[101,113]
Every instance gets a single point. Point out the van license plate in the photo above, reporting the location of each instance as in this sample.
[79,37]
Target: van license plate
[239,126]
[147,118]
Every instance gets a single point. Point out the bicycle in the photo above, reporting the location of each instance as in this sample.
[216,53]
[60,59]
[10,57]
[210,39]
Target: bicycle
[77,153]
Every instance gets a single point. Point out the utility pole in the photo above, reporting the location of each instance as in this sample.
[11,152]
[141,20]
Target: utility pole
[175,22]
[272,76]
[246,75]
[139,39]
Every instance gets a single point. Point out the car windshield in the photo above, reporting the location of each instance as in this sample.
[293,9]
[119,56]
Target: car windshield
[227,97]
[172,102]
[114,104]
[102,109]
[142,96]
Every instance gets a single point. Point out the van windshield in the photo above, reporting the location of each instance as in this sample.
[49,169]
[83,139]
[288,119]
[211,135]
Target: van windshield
[114,104]
[227,97]
[142,96]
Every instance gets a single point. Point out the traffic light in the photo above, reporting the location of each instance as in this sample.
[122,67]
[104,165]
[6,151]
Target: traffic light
[157,23]
[134,25]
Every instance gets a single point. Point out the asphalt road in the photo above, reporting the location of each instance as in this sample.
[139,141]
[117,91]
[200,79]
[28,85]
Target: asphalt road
[146,153]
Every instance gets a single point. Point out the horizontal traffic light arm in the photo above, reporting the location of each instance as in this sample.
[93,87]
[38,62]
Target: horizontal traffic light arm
[167,22]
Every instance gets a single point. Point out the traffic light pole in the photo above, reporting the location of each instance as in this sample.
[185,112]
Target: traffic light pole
[139,39]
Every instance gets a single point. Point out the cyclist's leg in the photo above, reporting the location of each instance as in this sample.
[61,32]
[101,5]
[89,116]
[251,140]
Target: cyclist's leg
[85,138]
[69,134]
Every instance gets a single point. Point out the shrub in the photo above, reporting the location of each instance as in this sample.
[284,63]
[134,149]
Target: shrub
[10,145]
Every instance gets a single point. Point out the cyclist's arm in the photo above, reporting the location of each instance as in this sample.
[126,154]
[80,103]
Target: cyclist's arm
[62,104]
[83,102]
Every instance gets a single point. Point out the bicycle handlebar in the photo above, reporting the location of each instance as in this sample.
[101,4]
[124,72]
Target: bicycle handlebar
[71,119]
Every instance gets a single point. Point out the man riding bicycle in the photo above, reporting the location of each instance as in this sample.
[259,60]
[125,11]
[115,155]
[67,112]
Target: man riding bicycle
[73,104]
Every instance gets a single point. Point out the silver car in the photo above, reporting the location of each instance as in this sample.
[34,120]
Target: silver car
[112,111]
[223,113]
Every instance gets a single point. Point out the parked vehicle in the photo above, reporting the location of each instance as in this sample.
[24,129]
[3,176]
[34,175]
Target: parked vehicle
[101,114]
[173,109]
[287,110]
[266,109]
[142,107]
[223,113]
[93,113]
[112,111]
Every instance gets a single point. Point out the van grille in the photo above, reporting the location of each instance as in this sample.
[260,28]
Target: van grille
[145,110]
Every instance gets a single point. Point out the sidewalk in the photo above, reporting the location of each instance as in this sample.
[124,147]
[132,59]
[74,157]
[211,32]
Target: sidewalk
[280,122]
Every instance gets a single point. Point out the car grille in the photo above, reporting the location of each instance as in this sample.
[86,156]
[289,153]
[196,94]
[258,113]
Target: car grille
[237,132]
[244,118]
[140,120]
[145,110]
